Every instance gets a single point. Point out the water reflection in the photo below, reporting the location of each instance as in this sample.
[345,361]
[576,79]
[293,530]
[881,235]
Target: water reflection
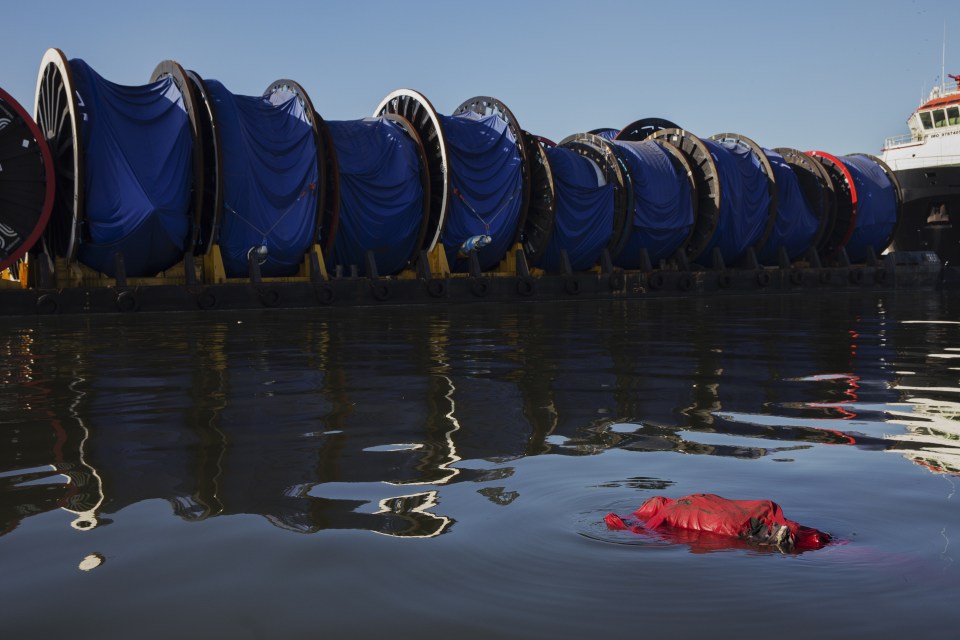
[359,419]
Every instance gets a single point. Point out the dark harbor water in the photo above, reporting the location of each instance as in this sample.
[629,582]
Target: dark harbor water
[444,473]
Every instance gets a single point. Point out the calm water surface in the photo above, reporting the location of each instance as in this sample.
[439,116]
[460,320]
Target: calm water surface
[435,473]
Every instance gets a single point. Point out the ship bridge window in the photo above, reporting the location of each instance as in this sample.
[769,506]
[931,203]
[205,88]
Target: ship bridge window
[926,120]
[953,115]
[939,118]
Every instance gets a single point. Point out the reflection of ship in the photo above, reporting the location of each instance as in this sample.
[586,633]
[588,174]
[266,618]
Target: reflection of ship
[935,424]
[927,164]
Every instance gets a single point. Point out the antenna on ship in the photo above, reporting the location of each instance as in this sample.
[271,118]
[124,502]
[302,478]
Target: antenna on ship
[943,61]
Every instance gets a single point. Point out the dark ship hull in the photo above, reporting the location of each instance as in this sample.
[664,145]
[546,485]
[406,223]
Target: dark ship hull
[930,219]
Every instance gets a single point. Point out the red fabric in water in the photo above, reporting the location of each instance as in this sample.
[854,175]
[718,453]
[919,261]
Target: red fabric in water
[710,513]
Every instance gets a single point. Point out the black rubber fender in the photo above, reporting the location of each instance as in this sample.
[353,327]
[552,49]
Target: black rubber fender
[437,287]
[571,285]
[480,287]
[380,290]
[724,280]
[763,278]
[127,301]
[685,282]
[526,286]
[207,299]
[617,281]
[656,281]
[325,293]
[825,277]
[269,297]
[882,276]
[856,276]
[48,304]
[796,277]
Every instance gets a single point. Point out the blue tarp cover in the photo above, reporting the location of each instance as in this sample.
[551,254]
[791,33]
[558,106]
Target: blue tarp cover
[381,197]
[584,211]
[663,204]
[876,207]
[796,225]
[606,133]
[744,201]
[487,182]
[269,181]
[138,153]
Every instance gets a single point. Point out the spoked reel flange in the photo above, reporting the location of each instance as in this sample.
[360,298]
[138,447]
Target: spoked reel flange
[707,182]
[817,188]
[541,210]
[26,181]
[485,106]
[845,218]
[196,113]
[604,154]
[57,116]
[640,130]
[419,112]
[280,91]
[767,169]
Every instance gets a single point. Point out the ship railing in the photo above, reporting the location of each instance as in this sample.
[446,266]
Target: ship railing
[899,141]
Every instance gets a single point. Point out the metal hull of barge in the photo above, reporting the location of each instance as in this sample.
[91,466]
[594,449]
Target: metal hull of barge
[899,271]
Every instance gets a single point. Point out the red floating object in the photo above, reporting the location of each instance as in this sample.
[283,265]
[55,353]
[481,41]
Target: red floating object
[758,522]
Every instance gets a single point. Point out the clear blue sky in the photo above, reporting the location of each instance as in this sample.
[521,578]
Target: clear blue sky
[830,75]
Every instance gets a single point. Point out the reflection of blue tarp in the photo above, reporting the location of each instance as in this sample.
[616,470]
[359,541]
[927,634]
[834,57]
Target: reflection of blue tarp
[381,197]
[744,201]
[487,183]
[138,152]
[269,181]
[796,225]
[584,211]
[876,207]
[663,205]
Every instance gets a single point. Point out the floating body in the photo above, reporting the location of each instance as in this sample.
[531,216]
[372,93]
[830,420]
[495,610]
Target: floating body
[759,522]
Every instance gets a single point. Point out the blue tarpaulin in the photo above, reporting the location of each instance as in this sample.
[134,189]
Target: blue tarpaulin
[487,183]
[606,133]
[138,152]
[269,181]
[584,211]
[381,196]
[876,207]
[796,225]
[744,201]
[663,204]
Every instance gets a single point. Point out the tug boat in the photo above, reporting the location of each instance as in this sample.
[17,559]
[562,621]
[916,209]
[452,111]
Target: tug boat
[926,161]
